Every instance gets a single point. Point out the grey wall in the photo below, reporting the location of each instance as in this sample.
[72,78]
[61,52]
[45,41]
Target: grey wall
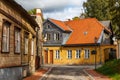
[51,30]
[11,73]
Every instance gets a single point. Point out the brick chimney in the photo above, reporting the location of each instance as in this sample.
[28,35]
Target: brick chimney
[39,20]
[38,12]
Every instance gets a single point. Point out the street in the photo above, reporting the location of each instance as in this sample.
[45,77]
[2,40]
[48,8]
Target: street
[66,73]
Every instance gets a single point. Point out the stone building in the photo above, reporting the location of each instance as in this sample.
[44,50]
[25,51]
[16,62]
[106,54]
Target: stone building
[17,41]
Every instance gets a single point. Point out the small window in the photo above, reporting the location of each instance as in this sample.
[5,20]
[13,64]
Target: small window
[69,54]
[48,36]
[6,36]
[78,54]
[48,26]
[57,54]
[17,40]
[26,43]
[87,53]
[56,36]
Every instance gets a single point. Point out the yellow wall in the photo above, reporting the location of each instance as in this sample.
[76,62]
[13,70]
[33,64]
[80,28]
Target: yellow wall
[63,55]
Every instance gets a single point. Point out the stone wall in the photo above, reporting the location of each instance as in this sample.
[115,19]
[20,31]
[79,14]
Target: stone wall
[14,73]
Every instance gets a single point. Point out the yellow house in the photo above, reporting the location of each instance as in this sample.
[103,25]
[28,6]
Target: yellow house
[75,41]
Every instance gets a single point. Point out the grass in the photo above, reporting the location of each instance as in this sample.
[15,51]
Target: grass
[111,69]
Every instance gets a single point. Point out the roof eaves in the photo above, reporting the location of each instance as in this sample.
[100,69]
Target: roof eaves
[105,28]
[23,11]
[56,24]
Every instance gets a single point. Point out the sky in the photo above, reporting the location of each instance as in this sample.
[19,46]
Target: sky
[56,9]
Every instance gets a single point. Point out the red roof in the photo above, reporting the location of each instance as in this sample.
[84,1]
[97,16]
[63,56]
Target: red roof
[60,24]
[84,31]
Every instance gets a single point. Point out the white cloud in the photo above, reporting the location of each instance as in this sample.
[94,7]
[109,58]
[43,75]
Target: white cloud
[58,9]
[65,14]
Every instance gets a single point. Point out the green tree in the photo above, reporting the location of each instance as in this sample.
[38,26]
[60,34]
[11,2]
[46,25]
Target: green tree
[75,18]
[98,9]
[32,11]
[115,12]
[104,10]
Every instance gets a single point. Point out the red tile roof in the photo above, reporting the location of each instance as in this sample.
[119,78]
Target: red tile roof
[60,24]
[84,31]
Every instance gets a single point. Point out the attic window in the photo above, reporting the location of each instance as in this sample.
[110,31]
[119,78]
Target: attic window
[85,33]
[48,26]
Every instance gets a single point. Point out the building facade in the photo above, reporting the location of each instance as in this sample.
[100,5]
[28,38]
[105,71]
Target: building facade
[17,41]
[75,41]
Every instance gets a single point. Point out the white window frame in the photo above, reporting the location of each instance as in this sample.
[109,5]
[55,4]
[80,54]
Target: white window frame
[69,54]
[48,36]
[87,54]
[6,37]
[32,46]
[78,54]
[57,54]
[26,44]
[17,41]
[56,36]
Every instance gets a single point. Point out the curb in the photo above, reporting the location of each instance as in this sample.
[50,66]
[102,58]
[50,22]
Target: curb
[45,75]
[88,74]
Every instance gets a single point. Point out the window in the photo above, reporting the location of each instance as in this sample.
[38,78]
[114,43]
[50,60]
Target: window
[57,54]
[87,53]
[26,43]
[48,26]
[78,54]
[56,36]
[69,54]
[6,37]
[48,36]
[17,40]
[32,47]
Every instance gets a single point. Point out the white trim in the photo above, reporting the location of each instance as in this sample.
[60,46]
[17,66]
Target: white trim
[69,54]
[76,56]
[101,36]
[87,53]
[57,54]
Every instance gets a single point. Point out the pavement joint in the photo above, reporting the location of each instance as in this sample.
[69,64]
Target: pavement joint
[45,75]
[88,74]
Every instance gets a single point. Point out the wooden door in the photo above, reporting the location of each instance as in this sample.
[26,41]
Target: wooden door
[46,57]
[51,56]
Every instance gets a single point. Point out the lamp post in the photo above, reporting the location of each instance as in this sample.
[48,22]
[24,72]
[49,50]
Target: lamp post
[95,39]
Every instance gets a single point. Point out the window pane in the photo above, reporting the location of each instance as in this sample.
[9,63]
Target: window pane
[57,54]
[69,54]
[78,53]
[87,53]
[17,40]
[5,37]
[26,44]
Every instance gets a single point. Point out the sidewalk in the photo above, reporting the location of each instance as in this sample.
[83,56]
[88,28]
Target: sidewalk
[95,75]
[37,75]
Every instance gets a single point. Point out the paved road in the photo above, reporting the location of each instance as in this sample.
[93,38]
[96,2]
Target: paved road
[66,73]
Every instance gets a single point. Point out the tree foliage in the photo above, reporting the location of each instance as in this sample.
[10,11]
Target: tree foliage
[32,11]
[104,10]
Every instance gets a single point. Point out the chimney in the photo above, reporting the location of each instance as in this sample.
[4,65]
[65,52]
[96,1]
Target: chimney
[38,12]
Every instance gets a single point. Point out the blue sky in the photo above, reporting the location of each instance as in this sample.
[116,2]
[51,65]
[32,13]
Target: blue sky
[57,9]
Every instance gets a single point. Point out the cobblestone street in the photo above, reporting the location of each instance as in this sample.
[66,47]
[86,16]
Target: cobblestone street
[66,73]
